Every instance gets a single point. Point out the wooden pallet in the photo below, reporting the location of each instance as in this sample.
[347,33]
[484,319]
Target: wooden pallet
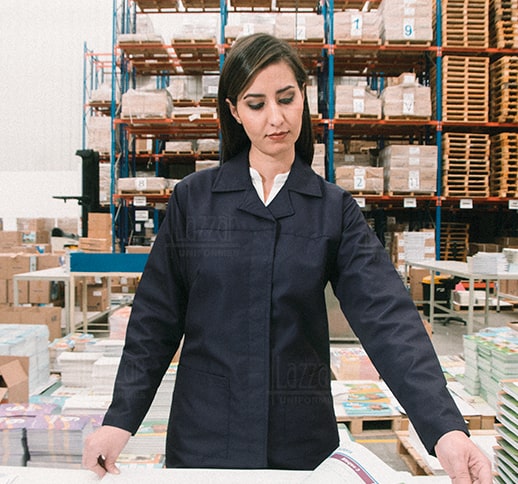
[157,6]
[360,424]
[416,464]
[201,4]
[147,193]
[405,193]
[504,34]
[339,41]
[357,116]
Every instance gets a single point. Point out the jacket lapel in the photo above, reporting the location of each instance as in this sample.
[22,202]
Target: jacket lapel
[234,176]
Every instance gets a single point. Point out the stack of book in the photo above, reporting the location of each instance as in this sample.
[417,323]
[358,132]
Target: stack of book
[161,405]
[491,356]
[149,439]
[363,398]
[13,448]
[104,371]
[506,452]
[57,440]
[71,342]
[86,403]
[76,368]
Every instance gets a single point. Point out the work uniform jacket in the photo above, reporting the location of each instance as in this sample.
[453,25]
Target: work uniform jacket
[244,284]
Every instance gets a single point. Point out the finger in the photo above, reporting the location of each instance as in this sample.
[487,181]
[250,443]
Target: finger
[108,465]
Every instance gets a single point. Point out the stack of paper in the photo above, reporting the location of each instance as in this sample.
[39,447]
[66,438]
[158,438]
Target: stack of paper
[13,448]
[71,342]
[57,440]
[161,405]
[149,439]
[104,372]
[496,359]
[76,368]
[506,453]
[488,263]
[86,403]
[134,461]
[107,347]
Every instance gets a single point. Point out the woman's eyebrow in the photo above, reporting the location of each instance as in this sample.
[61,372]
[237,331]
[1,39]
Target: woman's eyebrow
[280,91]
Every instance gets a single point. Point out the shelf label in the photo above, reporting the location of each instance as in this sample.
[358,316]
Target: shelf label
[409,202]
[358,105]
[356,25]
[408,103]
[140,201]
[140,183]
[141,215]
[466,203]
[360,201]
[413,180]
[409,28]
[513,204]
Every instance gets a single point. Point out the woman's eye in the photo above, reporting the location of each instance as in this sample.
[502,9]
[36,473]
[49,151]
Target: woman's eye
[256,107]
[286,100]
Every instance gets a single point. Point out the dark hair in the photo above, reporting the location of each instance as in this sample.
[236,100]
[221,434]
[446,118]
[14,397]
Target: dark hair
[247,57]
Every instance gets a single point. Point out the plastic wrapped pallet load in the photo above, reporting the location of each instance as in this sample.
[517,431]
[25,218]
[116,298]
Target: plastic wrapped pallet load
[360,178]
[406,21]
[100,133]
[355,25]
[153,103]
[357,101]
[141,184]
[410,168]
[407,99]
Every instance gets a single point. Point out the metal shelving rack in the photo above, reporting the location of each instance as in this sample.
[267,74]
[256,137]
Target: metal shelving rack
[388,59]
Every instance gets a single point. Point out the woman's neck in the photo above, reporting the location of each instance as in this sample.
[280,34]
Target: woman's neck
[269,168]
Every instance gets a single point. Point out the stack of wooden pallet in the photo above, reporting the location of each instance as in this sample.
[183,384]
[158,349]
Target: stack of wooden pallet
[504,165]
[466,165]
[465,89]
[464,23]
[503,25]
[504,90]
[454,241]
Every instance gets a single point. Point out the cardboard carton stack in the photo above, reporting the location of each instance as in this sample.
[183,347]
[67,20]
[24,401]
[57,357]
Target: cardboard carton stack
[319,159]
[99,233]
[356,101]
[360,179]
[412,246]
[357,26]
[406,98]
[406,22]
[410,168]
[152,103]
[100,133]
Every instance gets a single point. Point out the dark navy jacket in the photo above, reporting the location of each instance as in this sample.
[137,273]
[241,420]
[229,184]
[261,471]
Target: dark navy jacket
[245,284]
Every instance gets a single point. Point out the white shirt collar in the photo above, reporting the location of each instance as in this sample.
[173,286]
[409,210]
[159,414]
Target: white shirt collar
[278,183]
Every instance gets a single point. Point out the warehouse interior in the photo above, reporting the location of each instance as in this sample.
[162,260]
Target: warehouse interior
[414,109]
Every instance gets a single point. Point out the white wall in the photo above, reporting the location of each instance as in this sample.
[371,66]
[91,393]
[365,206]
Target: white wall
[41,82]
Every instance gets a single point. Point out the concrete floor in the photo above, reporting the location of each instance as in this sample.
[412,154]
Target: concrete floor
[447,340]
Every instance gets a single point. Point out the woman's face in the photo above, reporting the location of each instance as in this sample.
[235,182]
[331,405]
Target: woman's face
[270,110]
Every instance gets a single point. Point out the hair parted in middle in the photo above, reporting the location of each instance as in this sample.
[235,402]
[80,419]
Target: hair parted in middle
[247,57]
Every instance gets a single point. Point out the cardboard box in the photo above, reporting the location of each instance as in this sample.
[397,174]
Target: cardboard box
[14,382]
[21,263]
[3,291]
[23,292]
[46,292]
[10,238]
[48,261]
[97,298]
[48,315]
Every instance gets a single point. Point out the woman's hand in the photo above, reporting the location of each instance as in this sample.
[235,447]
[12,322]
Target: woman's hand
[462,459]
[102,448]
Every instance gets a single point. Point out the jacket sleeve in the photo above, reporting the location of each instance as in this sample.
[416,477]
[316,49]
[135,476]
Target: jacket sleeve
[155,327]
[387,323]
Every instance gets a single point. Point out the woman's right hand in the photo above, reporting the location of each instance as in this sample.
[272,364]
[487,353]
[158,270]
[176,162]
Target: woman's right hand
[102,448]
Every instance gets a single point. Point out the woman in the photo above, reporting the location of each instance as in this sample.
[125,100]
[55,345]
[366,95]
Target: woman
[239,270]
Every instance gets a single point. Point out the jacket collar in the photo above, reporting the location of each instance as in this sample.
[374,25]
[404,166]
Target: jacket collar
[234,176]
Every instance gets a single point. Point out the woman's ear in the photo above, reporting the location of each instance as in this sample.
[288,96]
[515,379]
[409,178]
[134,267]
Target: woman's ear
[233,110]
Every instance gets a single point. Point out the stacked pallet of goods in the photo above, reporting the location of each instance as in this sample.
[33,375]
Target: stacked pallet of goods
[405,23]
[504,165]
